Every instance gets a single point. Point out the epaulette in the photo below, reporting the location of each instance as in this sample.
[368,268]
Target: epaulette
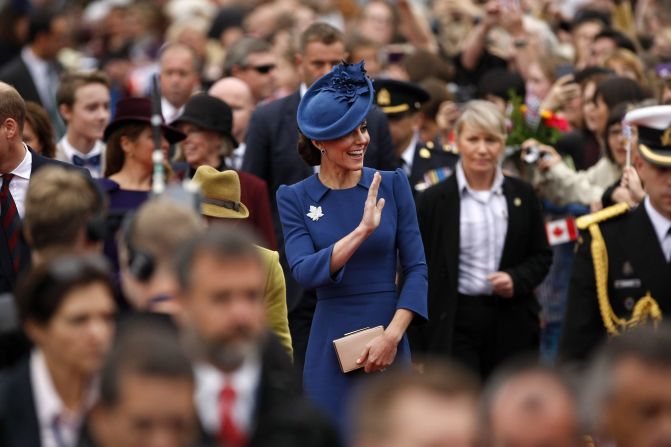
[583,222]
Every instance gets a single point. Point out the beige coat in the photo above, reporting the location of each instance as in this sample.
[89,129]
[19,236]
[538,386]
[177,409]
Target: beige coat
[562,185]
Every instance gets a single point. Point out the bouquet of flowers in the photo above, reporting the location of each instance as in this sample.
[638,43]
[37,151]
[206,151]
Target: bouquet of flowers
[528,122]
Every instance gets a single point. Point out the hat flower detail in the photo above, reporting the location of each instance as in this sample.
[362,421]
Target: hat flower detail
[315,213]
[348,82]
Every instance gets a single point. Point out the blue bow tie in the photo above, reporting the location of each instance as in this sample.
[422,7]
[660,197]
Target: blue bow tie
[94,161]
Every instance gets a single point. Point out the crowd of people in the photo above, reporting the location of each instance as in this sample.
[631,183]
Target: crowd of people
[335,223]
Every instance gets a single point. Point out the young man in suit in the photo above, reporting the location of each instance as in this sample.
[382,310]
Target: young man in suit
[84,103]
[272,154]
[401,102]
[620,273]
[17,164]
[246,392]
[35,72]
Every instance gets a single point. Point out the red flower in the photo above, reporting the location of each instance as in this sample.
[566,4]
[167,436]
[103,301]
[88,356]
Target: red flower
[558,123]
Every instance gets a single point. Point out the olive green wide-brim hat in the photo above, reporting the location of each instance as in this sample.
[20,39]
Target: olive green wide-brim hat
[221,193]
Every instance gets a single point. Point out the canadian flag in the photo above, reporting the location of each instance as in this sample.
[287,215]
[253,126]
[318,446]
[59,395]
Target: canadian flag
[561,231]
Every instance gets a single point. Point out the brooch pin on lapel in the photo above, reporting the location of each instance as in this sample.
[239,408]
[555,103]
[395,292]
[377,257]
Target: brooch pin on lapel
[315,213]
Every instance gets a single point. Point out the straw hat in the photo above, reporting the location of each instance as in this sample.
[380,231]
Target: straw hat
[221,193]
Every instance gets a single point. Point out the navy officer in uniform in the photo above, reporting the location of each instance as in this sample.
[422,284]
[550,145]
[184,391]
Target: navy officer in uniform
[426,163]
[621,274]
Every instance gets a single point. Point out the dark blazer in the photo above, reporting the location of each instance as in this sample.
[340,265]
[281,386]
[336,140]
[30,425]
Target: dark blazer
[7,275]
[18,417]
[16,73]
[636,266]
[272,154]
[282,416]
[526,256]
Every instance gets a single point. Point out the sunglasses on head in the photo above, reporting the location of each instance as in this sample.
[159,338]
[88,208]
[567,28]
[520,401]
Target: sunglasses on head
[263,69]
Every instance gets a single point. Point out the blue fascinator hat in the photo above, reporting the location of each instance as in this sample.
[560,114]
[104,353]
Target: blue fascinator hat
[336,103]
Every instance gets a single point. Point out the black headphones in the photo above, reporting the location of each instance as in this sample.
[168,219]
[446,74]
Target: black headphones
[141,264]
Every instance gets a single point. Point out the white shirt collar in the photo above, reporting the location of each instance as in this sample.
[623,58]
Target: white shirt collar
[409,153]
[70,150]
[48,403]
[209,382]
[462,182]
[302,89]
[24,168]
[33,61]
[659,222]
[170,112]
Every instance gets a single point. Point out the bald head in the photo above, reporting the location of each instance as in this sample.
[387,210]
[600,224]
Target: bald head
[237,94]
[532,408]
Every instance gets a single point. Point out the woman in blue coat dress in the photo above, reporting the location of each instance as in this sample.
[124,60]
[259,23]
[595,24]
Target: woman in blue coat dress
[345,229]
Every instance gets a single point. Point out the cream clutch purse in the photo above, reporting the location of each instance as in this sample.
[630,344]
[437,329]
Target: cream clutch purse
[349,347]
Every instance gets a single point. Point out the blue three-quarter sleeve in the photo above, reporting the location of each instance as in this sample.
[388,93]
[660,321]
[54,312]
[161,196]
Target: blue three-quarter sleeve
[309,266]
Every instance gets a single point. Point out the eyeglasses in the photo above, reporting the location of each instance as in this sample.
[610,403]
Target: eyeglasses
[263,69]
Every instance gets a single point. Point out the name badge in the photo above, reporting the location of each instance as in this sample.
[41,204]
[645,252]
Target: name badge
[634,283]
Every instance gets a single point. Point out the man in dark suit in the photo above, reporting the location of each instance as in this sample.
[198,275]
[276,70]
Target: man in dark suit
[621,271]
[17,164]
[246,389]
[272,154]
[486,250]
[35,72]
[425,163]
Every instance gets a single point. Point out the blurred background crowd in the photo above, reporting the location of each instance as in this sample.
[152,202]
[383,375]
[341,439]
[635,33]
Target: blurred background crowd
[229,76]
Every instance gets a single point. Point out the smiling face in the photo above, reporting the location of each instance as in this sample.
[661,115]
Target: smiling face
[480,151]
[345,153]
[200,146]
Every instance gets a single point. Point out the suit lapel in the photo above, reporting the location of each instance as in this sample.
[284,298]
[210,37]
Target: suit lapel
[291,107]
[450,215]
[642,246]
[23,422]
[514,204]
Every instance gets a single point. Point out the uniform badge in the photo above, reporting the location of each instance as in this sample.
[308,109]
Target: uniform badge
[383,97]
[424,153]
[315,213]
[666,137]
[627,269]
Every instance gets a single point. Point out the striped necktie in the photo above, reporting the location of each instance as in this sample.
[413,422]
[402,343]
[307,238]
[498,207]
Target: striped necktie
[11,222]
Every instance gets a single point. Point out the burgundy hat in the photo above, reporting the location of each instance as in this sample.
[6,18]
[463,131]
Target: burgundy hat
[138,110]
